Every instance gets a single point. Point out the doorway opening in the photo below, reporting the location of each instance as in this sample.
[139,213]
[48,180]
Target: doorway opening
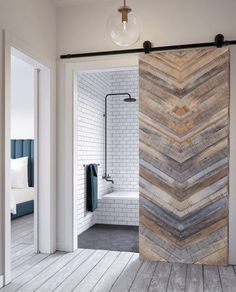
[29,157]
[23,152]
[106,137]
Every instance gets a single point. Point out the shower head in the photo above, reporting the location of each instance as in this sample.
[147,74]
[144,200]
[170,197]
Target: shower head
[130,99]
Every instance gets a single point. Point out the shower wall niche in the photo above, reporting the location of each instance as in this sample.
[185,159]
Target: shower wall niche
[89,140]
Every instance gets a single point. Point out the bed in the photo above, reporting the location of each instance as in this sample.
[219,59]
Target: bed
[22,200]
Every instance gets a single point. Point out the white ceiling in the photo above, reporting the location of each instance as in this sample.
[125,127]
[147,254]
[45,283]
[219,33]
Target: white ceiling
[67,2]
[64,2]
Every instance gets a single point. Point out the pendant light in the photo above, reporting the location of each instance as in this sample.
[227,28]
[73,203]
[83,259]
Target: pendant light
[124,27]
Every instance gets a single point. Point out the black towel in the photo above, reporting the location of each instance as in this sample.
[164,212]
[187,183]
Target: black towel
[92,187]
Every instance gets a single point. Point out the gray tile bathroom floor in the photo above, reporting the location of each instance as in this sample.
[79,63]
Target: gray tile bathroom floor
[110,237]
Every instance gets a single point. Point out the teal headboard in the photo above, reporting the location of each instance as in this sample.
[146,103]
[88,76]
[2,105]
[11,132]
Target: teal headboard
[24,148]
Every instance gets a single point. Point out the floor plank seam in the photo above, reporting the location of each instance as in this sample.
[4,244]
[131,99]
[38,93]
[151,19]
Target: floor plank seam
[57,271]
[120,273]
[74,270]
[185,282]
[203,280]
[135,276]
[13,261]
[32,266]
[22,263]
[157,264]
[26,247]
[18,237]
[126,265]
[90,271]
[41,271]
[168,282]
[105,272]
[220,279]
[20,244]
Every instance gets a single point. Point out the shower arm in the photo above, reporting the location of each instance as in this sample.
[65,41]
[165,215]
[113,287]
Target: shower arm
[106,176]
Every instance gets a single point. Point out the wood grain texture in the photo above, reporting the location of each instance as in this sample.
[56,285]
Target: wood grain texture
[184,156]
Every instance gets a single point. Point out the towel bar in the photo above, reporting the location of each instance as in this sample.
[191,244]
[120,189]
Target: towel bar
[84,165]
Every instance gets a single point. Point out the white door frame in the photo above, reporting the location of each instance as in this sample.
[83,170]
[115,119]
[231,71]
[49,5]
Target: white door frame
[36,158]
[67,224]
[45,166]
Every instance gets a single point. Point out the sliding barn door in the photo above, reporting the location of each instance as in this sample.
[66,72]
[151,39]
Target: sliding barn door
[184,156]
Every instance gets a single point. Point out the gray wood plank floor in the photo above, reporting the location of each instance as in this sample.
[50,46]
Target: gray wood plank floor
[98,270]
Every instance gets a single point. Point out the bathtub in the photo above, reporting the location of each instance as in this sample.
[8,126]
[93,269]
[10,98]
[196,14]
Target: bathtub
[122,195]
[118,208]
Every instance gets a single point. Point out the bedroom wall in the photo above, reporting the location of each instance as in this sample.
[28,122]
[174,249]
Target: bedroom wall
[24,20]
[22,100]
[77,33]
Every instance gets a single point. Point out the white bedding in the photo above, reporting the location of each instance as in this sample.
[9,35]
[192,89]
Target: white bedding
[20,196]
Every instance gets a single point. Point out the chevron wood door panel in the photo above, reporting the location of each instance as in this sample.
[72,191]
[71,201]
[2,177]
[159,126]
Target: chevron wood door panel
[184,156]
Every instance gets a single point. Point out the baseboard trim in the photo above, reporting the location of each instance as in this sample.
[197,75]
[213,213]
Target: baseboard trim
[1,281]
[60,246]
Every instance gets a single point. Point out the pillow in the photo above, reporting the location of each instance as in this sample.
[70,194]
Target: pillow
[19,173]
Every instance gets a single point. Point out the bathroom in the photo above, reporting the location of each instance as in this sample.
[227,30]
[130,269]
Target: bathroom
[111,142]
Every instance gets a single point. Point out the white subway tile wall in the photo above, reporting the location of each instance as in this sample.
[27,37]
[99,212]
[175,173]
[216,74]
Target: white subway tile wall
[123,156]
[123,139]
[89,139]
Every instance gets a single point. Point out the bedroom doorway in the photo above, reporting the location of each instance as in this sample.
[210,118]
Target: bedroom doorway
[23,153]
[34,188]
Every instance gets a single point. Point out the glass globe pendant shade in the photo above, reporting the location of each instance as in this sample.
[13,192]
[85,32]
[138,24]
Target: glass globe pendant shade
[124,32]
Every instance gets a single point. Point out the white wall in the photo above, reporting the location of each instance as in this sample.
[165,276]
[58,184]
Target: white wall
[22,99]
[33,22]
[82,28]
